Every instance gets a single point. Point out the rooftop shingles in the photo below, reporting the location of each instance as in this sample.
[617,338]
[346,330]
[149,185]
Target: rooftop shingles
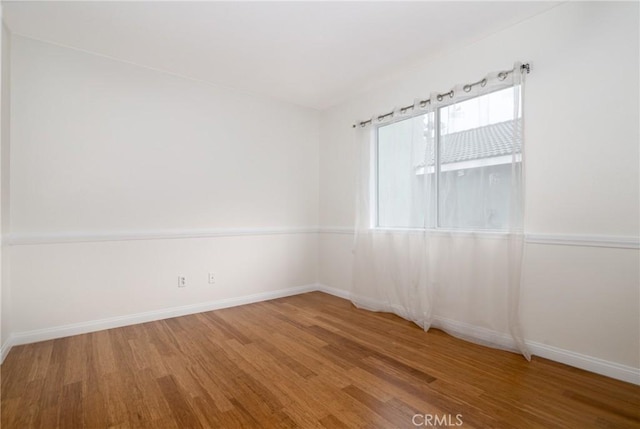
[478,143]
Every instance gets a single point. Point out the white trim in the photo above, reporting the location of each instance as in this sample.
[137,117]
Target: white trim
[475,333]
[588,363]
[37,335]
[17,239]
[442,232]
[6,348]
[609,241]
[612,241]
[348,230]
[340,293]
[486,336]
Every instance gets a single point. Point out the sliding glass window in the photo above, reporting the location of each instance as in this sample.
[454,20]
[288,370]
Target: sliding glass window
[453,168]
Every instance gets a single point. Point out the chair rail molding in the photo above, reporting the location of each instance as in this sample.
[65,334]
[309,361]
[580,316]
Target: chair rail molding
[583,240]
[16,239]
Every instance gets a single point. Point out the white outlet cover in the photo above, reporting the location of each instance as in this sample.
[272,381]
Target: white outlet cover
[182,281]
[212,278]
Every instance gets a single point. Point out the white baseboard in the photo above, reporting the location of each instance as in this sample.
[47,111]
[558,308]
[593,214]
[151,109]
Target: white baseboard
[588,363]
[340,293]
[485,336]
[5,349]
[37,335]
[475,334]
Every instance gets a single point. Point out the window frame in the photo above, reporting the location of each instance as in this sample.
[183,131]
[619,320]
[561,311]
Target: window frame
[375,221]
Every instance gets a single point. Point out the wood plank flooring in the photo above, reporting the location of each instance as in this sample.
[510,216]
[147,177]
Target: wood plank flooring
[307,361]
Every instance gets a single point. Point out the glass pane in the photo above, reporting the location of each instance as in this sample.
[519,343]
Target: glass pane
[492,108]
[477,144]
[405,172]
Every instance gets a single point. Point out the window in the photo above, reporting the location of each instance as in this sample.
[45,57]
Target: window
[452,168]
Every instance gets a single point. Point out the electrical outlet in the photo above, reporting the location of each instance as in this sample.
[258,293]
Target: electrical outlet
[182,281]
[212,279]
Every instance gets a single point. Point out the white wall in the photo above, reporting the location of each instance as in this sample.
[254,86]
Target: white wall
[5,99]
[101,145]
[56,285]
[105,149]
[582,153]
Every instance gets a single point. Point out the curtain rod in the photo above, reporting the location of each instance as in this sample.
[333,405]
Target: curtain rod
[502,76]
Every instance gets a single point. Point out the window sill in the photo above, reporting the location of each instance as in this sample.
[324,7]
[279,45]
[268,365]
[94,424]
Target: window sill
[442,232]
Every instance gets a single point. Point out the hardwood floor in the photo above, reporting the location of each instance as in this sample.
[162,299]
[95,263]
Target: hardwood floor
[308,361]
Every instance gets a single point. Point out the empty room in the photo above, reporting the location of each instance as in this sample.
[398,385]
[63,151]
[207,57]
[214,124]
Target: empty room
[340,214]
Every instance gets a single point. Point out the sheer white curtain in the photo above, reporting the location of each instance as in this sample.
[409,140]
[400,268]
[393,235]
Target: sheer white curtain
[439,237]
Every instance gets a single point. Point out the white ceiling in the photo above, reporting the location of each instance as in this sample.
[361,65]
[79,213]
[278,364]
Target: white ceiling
[313,54]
